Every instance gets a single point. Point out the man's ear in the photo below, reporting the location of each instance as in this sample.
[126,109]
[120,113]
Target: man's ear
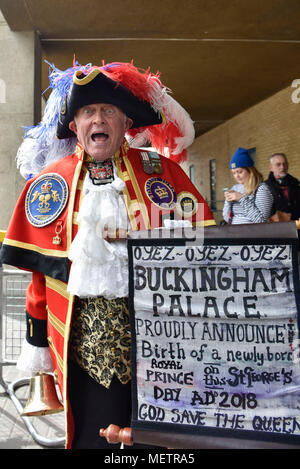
[73,127]
[128,124]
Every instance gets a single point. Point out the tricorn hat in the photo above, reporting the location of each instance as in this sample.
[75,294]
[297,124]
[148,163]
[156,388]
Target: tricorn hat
[96,87]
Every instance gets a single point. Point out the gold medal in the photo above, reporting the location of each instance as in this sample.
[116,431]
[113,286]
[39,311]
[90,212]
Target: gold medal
[58,229]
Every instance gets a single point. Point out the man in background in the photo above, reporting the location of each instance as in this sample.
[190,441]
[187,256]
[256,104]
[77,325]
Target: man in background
[285,189]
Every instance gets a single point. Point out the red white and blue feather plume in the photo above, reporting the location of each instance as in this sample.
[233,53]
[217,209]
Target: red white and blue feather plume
[41,147]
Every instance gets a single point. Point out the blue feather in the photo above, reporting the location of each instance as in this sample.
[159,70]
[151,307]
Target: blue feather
[40,146]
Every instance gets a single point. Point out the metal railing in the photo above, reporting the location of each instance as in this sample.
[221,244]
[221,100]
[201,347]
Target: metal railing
[13,285]
[13,328]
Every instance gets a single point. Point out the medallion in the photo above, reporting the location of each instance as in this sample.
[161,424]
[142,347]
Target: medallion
[46,198]
[160,192]
[101,172]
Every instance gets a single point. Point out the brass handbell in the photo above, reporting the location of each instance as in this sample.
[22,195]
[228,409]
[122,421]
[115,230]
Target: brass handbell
[42,398]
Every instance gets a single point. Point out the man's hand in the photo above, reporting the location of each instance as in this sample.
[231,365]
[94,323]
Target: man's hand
[111,234]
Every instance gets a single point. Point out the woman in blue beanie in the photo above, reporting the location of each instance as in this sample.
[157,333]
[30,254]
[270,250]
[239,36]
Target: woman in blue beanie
[250,200]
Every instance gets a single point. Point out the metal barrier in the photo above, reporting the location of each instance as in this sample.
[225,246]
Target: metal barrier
[13,285]
[13,327]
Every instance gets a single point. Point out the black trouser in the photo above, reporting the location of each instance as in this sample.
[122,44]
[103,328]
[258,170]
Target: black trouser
[94,407]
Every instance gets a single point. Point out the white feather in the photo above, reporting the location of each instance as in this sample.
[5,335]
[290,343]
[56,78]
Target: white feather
[173,112]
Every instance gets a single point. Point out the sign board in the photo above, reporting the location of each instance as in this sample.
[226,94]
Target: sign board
[215,337]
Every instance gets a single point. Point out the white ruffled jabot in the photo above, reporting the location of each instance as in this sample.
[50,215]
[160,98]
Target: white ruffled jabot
[99,267]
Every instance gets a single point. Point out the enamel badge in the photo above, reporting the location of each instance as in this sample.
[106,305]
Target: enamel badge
[160,192]
[46,199]
[187,204]
[101,172]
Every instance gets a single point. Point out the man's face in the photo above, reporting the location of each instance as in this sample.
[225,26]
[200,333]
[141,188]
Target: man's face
[279,166]
[100,128]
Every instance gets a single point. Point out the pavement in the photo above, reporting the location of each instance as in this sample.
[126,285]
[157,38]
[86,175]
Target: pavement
[44,432]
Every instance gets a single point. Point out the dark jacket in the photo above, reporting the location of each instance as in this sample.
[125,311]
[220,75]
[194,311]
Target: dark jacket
[292,205]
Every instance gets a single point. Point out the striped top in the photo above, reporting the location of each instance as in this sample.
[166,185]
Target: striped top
[254,208]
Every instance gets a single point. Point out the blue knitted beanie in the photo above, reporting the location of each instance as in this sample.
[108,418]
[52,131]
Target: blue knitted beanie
[241,159]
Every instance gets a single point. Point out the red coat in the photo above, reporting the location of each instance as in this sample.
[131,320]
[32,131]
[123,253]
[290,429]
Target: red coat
[29,238]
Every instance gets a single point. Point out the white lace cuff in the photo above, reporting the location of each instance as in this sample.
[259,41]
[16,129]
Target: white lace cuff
[34,359]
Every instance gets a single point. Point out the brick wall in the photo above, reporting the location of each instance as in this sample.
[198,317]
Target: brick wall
[270,126]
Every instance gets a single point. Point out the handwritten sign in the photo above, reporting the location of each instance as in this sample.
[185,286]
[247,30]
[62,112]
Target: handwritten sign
[215,337]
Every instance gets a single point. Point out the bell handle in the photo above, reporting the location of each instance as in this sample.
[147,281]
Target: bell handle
[115,434]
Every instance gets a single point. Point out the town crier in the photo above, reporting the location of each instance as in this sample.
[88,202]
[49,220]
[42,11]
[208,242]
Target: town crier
[87,187]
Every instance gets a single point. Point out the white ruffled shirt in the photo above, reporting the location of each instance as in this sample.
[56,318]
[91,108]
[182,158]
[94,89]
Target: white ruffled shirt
[99,267]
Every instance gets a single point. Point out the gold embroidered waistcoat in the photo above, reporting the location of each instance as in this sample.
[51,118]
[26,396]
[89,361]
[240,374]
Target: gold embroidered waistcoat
[100,338]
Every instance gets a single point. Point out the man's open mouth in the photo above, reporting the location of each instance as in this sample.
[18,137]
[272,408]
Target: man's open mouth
[99,137]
